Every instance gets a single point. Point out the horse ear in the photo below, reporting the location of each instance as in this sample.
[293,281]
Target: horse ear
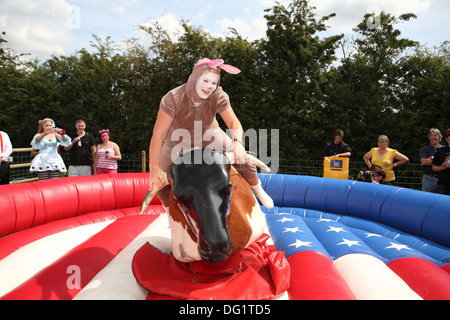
[151,193]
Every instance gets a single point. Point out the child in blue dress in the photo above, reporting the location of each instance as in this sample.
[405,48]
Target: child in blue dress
[48,163]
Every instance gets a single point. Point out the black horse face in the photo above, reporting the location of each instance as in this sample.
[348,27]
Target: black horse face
[201,189]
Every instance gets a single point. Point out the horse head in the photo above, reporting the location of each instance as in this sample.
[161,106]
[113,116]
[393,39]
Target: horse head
[201,190]
[213,211]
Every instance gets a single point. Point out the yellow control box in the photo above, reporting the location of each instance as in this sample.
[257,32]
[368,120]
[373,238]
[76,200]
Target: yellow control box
[336,168]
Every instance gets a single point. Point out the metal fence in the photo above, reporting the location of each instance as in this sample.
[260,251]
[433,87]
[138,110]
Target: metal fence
[20,167]
[408,176]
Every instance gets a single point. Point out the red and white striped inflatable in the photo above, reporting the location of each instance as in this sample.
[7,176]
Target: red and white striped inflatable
[75,238]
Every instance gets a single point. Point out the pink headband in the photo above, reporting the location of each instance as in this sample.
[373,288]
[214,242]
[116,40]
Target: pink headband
[218,64]
[103,131]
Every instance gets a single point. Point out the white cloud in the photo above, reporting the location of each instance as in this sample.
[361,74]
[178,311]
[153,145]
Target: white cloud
[39,27]
[253,30]
[349,13]
[203,12]
[44,27]
[168,22]
[120,10]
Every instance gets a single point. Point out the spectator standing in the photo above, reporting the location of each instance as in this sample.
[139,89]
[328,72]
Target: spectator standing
[108,153]
[430,177]
[82,151]
[384,157]
[441,164]
[48,163]
[5,153]
[337,147]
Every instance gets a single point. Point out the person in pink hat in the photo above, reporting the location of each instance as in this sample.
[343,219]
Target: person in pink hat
[107,155]
[187,119]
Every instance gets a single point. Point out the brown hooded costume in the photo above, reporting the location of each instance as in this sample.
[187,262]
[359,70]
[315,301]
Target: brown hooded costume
[180,104]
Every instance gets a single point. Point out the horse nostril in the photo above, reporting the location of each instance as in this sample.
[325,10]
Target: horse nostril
[215,257]
[216,252]
[218,257]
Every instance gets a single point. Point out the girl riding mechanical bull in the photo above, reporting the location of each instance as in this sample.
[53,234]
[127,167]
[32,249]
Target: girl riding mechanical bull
[213,213]
[188,108]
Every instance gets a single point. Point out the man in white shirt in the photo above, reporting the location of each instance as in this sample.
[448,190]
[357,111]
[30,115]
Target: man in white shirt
[5,153]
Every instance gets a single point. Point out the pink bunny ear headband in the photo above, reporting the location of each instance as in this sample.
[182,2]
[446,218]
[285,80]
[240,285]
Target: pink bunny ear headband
[218,64]
[103,131]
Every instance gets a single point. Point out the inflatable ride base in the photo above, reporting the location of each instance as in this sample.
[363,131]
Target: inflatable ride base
[259,264]
[75,238]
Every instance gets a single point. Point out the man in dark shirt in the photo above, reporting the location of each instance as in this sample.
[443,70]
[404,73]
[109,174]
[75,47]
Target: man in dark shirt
[441,164]
[337,147]
[82,150]
[430,177]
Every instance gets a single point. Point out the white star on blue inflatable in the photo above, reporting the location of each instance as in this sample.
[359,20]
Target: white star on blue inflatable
[285,220]
[369,235]
[398,246]
[337,230]
[293,230]
[325,220]
[300,243]
[349,242]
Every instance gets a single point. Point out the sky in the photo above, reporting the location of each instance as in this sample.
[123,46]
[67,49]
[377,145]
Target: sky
[46,27]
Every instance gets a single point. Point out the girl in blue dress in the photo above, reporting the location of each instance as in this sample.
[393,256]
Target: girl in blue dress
[48,163]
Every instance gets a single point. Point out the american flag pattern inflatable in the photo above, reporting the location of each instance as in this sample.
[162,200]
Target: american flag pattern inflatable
[74,238]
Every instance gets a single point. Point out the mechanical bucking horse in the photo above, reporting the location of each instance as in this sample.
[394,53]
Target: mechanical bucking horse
[212,210]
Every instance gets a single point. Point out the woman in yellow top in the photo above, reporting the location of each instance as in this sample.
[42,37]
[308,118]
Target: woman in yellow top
[384,157]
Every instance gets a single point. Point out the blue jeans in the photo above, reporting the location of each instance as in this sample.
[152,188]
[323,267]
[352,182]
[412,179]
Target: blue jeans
[429,183]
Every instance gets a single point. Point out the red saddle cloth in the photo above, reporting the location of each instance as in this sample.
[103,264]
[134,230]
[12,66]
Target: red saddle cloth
[257,272]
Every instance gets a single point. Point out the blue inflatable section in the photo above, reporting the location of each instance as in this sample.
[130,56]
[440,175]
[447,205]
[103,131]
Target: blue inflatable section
[337,217]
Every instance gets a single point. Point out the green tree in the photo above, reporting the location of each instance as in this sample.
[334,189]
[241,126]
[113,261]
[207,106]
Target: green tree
[290,81]
[425,98]
[295,60]
[363,97]
[24,94]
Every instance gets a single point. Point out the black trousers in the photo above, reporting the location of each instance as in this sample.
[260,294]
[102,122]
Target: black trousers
[4,173]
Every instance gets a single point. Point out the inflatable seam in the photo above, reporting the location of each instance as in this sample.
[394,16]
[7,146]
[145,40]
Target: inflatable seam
[15,215]
[78,202]
[425,216]
[348,195]
[39,193]
[381,206]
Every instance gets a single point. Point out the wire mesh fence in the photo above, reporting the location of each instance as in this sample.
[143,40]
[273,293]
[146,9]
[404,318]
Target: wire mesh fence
[20,167]
[408,175]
